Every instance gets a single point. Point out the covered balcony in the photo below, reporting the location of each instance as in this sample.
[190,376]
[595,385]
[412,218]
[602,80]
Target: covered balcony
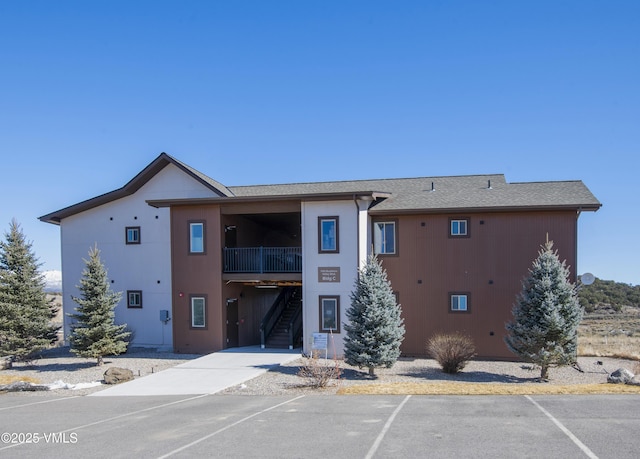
[263,260]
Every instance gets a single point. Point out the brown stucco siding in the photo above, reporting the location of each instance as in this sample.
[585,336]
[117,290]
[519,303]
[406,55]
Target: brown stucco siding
[489,266]
[197,275]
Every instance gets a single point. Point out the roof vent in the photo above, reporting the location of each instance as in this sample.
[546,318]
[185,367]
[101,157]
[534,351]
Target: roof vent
[433,188]
[489,187]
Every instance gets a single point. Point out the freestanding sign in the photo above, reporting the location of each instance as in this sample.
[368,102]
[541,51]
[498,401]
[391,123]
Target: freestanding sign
[320,342]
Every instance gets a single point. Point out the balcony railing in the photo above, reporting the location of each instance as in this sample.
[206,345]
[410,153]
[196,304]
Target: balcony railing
[263,260]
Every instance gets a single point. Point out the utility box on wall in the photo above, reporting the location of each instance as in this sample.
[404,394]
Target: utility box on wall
[164,315]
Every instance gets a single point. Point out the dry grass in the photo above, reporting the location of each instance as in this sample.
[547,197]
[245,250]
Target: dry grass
[610,335]
[8,379]
[460,388]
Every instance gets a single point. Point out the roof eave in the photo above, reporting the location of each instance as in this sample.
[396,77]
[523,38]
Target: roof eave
[343,196]
[452,210]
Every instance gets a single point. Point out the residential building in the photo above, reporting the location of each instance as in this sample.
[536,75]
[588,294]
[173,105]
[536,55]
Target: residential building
[206,266]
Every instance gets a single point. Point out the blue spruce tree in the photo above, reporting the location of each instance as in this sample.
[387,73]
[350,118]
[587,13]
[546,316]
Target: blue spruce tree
[375,329]
[544,329]
[25,312]
[94,333]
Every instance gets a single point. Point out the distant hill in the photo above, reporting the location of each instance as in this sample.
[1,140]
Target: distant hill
[53,281]
[605,294]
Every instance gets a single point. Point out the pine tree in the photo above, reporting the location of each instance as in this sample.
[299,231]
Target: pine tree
[544,330]
[95,334]
[25,312]
[376,328]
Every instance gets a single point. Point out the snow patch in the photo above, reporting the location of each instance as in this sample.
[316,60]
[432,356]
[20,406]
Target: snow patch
[53,281]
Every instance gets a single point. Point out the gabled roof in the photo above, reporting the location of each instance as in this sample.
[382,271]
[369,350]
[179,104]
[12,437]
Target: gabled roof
[134,185]
[404,195]
[429,194]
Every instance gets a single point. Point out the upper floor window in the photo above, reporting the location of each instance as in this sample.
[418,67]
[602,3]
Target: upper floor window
[459,302]
[196,237]
[328,235]
[459,227]
[384,238]
[134,298]
[132,235]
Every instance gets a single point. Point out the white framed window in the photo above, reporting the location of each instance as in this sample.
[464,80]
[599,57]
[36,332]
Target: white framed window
[134,298]
[459,227]
[328,235]
[384,238]
[132,235]
[330,314]
[196,237]
[459,302]
[198,312]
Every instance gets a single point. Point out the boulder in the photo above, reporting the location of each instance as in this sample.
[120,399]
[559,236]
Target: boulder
[6,363]
[117,375]
[620,376]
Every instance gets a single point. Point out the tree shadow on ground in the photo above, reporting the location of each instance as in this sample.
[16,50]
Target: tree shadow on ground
[436,374]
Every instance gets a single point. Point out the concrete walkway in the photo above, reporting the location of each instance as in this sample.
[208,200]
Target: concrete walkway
[206,375]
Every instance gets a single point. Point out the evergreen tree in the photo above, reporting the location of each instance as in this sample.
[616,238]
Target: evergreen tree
[376,328]
[95,334]
[25,312]
[544,330]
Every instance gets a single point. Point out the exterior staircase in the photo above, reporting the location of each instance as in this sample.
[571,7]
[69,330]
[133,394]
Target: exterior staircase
[279,338]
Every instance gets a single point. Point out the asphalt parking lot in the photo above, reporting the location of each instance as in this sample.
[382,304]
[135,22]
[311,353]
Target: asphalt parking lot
[604,426]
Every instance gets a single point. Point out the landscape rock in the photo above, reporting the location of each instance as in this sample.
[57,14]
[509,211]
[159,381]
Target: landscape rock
[6,363]
[116,375]
[620,376]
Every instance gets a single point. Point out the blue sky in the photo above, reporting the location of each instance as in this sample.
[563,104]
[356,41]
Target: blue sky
[253,92]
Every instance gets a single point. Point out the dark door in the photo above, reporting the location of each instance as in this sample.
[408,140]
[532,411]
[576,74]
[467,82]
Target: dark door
[232,323]
[230,237]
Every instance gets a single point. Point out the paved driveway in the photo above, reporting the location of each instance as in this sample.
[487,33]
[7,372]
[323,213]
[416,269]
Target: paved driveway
[206,375]
[320,426]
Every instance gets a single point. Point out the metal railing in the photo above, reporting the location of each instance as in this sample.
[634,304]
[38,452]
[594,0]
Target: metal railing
[263,260]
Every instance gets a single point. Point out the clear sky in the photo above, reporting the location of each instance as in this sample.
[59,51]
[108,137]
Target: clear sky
[255,92]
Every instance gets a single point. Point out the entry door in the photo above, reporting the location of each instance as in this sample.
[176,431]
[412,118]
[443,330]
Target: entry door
[232,323]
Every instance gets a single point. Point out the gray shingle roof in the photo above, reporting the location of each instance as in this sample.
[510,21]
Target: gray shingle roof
[421,194]
[444,193]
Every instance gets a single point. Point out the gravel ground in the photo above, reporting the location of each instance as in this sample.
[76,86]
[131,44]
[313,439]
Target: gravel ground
[59,365]
[284,379]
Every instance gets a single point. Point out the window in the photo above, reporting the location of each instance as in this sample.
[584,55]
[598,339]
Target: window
[330,314]
[132,235]
[196,237]
[459,227]
[459,302]
[328,235]
[384,238]
[198,319]
[134,298]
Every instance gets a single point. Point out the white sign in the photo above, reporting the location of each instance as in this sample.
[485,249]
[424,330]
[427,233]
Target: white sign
[319,341]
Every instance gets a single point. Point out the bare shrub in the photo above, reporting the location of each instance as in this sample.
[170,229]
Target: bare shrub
[451,350]
[318,372]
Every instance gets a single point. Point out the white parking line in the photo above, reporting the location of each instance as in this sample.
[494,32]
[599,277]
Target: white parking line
[376,444]
[102,421]
[201,439]
[566,431]
[38,403]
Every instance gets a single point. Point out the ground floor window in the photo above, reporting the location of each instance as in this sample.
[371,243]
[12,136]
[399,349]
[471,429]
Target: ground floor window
[330,314]
[134,298]
[198,317]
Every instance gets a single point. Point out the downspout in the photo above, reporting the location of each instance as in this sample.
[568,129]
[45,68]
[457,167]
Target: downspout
[355,201]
